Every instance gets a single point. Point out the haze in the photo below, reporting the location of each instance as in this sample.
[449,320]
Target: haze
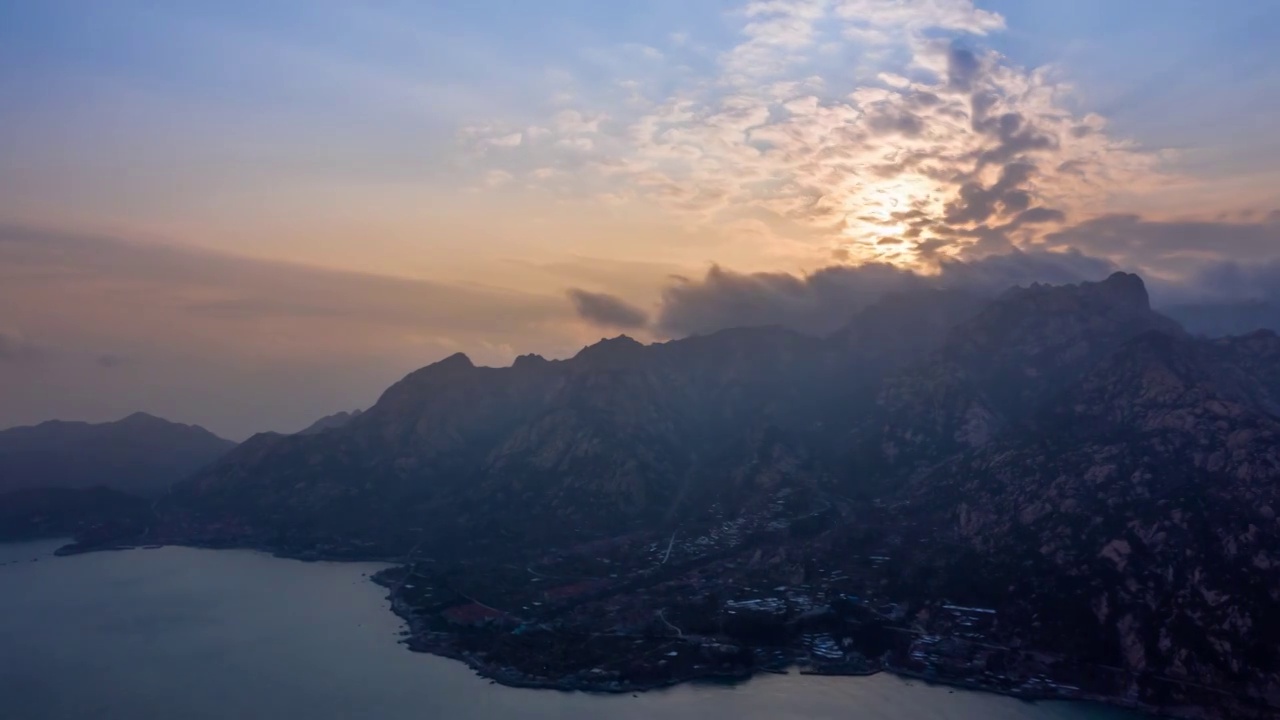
[249,216]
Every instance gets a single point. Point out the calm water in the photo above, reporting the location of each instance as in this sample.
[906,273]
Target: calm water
[183,633]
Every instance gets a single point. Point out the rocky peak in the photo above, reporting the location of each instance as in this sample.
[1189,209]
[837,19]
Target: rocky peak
[1124,289]
[141,419]
[456,361]
[1120,294]
[610,352]
[999,369]
[1069,319]
[531,360]
[141,424]
[450,367]
[421,384]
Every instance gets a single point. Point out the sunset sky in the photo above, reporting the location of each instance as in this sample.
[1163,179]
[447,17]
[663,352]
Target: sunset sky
[249,214]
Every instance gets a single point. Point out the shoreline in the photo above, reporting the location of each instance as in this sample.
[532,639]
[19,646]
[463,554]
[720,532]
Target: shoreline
[411,640]
[613,687]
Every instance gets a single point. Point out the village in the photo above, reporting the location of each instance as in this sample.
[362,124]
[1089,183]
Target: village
[775,588]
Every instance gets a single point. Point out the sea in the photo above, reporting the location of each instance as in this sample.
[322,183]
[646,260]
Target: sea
[194,634]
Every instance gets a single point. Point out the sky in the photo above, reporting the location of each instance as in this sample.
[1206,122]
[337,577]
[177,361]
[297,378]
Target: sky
[247,215]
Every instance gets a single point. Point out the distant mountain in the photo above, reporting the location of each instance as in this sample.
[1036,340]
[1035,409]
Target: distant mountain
[140,454]
[1228,318]
[329,422]
[1066,458]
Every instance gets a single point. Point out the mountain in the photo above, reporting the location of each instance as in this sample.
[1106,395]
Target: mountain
[618,436]
[1134,521]
[996,368]
[627,436]
[329,422]
[622,435]
[140,454]
[1057,492]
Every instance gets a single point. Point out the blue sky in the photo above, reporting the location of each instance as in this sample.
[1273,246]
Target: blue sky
[1132,57]
[1187,73]
[479,160]
[385,84]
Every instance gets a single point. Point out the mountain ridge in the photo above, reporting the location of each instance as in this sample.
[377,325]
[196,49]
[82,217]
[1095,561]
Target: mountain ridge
[1063,457]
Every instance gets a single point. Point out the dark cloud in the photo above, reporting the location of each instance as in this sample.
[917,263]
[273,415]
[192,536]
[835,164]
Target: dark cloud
[922,99]
[995,273]
[1039,215]
[1015,137]
[1180,247]
[980,103]
[1014,134]
[109,361]
[885,119]
[818,302]
[1228,281]
[606,310]
[975,203]
[822,301]
[963,68]
[1225,298]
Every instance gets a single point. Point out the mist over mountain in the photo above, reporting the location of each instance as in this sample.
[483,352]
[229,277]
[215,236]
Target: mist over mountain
[1221,319]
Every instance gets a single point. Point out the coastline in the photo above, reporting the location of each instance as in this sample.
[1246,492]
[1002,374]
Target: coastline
[412,638]
[497,676]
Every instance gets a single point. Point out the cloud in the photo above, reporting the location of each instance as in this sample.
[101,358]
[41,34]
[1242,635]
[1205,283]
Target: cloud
[191,284]
[1177,247]
[939,149]
[1225,281]
[774,31]
[506,141]
[1039,215]
[606,310]
[995,273]
[817,302]
[497,178]
[917,15]
[822,301]
[977,204]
